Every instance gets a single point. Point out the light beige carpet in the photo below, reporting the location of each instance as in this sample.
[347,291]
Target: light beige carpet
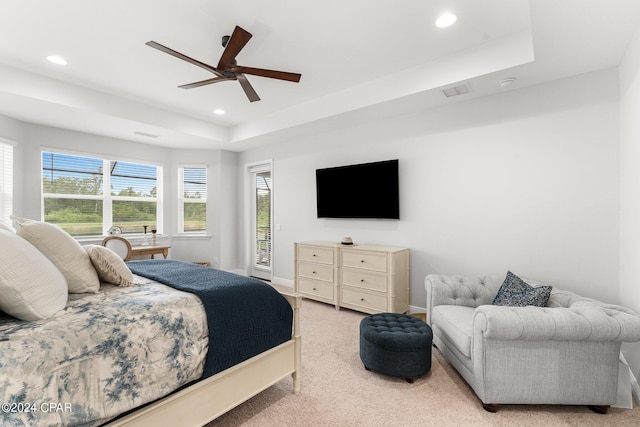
[338,391]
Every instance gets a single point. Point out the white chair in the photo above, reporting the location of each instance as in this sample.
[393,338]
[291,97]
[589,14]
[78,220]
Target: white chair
[119,245]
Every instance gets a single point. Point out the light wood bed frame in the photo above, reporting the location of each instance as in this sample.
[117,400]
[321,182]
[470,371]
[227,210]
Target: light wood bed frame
[206,400]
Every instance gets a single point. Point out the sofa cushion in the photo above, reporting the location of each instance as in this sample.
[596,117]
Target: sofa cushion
[518,293]
[455,322]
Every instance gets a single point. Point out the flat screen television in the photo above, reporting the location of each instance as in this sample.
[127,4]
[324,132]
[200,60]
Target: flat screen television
[366,191]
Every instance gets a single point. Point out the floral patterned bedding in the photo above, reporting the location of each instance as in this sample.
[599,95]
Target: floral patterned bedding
[104,355]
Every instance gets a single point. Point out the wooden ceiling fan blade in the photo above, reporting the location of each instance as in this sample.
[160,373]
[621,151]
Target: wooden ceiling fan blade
[179,55]
[206,82]
[239,38]
[272,74]
[248,89]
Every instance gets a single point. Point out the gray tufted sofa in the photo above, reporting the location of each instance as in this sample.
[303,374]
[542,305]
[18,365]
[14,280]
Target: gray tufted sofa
[565,353]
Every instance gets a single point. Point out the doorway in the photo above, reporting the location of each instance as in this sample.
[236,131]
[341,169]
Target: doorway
[261,209]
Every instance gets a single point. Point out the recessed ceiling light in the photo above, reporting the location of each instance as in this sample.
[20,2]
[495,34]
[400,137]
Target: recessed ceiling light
[56,59]
[446,20]
[509,81]
[218,111]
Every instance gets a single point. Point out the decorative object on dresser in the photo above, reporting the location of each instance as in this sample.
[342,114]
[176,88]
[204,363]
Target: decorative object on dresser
[366,278]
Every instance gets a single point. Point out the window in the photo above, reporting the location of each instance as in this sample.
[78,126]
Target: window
[74,195]
[192,194]
[6,180]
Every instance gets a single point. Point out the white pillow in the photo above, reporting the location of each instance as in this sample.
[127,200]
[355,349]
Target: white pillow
[63,251]
[109,265]
[31,287]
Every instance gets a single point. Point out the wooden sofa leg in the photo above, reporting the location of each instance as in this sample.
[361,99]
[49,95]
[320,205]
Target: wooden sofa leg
[491,407]
[599,409]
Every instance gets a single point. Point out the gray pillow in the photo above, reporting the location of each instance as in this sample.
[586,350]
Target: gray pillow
[516,292]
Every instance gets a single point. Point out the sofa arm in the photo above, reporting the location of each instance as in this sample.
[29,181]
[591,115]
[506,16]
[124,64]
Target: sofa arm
[588,322]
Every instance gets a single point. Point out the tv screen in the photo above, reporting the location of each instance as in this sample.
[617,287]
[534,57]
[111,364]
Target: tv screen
[368,190]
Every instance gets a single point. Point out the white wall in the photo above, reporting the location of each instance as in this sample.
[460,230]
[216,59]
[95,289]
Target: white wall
[526,180]
[220,166]
[630,191]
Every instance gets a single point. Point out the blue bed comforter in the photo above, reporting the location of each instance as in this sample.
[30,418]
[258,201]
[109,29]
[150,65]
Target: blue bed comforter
[245,316]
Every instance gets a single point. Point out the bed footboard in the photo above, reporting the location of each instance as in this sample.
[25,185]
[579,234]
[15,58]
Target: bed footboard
[208,399]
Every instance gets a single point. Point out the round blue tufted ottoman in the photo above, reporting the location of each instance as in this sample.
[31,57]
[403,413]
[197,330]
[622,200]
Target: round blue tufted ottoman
[396,345]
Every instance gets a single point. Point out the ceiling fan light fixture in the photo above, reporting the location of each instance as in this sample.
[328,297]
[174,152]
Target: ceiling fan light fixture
[446,20]
[219,111]
[56,59]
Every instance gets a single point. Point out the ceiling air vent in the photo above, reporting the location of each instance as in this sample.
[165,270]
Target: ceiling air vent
[148,135]
[455,91]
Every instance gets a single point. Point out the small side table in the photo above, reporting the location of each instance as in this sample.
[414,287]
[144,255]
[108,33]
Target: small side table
[150,250]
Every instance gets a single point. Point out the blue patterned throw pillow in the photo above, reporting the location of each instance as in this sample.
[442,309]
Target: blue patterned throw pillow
[516,292]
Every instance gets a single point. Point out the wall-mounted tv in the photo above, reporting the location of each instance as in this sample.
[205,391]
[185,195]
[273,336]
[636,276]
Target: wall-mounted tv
[367,191]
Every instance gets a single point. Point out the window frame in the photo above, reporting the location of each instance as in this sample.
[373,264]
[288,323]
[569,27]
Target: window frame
[106,197]
[7,148]
[182,200]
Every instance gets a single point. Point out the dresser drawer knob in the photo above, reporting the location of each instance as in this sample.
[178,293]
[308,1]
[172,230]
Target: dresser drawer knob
[362,260]
[361,299]
[362,280]
[315,289]
[313,272]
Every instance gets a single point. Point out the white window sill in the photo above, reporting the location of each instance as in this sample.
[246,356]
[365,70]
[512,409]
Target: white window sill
[193,236]
[133,238]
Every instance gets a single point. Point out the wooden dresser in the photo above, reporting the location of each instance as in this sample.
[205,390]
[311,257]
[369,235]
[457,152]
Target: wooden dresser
[366,278]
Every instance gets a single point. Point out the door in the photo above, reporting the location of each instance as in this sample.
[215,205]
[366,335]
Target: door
[261,223]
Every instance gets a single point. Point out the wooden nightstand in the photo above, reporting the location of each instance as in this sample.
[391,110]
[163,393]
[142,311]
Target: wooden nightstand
[150,250]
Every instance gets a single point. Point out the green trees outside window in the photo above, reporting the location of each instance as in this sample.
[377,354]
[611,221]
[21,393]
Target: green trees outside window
[74,196]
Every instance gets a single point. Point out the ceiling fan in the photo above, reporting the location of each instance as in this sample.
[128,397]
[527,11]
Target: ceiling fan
[228,68]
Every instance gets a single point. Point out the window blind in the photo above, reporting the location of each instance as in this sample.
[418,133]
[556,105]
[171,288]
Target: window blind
[6,180]
[193,196]
[87,195]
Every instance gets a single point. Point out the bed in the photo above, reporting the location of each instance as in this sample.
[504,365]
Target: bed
[147,354]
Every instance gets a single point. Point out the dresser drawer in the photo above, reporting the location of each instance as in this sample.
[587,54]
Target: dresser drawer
[371,302]
[366,260]
[315,271]
[315,288]
[315,254]
[363,279]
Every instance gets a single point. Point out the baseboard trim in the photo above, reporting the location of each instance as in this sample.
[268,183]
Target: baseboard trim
[415,309]
[282,281]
